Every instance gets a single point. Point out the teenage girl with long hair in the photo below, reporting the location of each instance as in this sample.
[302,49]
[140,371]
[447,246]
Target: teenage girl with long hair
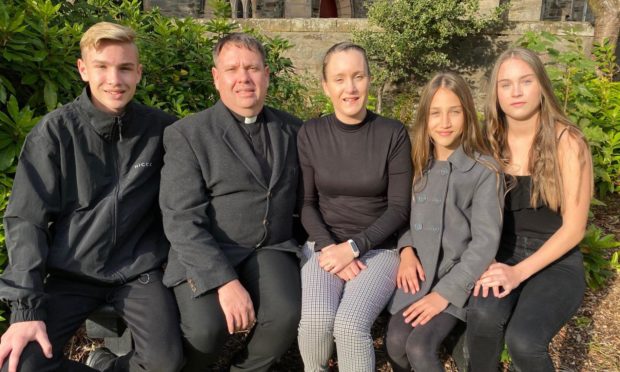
[537,283]
[454,229]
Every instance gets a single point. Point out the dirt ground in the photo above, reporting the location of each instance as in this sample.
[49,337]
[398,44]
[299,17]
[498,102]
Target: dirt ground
[590,342]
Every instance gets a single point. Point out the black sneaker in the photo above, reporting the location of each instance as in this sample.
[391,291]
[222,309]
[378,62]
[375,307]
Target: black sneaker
[101,359]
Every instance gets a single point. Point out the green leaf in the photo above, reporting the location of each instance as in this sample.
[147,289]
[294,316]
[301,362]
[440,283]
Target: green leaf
[30,79]
[7,84]
[13,108]
[7,156]
[39,56]
[3,94]
[10,56]
[5,140]
[6,120]
[50,95]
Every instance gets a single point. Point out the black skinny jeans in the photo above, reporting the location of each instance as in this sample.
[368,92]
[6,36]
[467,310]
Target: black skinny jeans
[417,348]
[530,315]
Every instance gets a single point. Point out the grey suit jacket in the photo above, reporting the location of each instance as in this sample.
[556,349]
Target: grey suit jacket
[455,228]
[217,207]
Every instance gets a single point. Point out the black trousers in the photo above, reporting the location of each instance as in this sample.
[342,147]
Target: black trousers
[529,317]
[272,280]
[417,349]
[145,304]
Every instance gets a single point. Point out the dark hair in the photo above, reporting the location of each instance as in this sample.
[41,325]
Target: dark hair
[343,47]
[240,39]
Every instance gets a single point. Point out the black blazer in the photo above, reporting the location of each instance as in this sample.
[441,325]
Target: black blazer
[217,208]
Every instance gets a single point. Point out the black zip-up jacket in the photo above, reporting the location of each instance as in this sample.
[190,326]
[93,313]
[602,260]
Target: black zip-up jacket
[84,202]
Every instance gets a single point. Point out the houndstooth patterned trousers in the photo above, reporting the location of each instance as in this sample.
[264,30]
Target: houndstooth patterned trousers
[333,309]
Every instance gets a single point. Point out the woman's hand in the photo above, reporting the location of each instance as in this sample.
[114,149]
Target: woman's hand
[421,312]
[351,270]
[499,275]
[336,257]
[409,270]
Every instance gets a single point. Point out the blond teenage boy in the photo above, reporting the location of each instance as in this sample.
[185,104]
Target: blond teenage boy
[83,227]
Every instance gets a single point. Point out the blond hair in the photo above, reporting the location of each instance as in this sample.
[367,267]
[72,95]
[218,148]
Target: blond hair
[106,31]
[472,139]
[544,165]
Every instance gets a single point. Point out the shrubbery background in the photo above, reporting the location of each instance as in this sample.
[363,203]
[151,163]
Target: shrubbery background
[585,85]
[39,43]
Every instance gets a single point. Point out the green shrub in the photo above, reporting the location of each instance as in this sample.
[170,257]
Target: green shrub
[590,97]
[14,125]
[409,40]
[38,55]
[595,247]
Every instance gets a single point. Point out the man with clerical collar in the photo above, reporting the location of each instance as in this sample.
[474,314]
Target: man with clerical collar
[256,133]
[83,227]
[228,194]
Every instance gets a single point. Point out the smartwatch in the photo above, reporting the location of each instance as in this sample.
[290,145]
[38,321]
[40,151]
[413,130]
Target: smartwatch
[354,248]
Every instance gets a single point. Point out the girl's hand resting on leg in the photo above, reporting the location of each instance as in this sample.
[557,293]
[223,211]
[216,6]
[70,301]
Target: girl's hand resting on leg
[421,312]
[499,277]
[409,271]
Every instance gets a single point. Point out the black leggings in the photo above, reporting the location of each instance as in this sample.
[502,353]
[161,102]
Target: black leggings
[529,316]
[418,347]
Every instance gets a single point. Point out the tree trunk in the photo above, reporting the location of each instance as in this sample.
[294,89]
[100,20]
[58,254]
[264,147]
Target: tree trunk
[379,106]
[606,20]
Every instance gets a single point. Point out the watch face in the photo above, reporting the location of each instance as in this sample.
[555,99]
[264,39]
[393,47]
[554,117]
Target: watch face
[356,251]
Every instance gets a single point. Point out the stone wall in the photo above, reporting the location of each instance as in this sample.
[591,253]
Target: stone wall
[297,9]
[520,10]
[311,37]
[179,8]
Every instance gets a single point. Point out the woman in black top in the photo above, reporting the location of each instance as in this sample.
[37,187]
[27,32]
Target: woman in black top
[538,282]
[356,194]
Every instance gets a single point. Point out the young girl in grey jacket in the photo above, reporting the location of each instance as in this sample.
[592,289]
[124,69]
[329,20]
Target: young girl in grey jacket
[455,225]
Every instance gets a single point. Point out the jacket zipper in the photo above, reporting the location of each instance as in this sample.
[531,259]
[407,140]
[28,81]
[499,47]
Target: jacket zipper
[119,126]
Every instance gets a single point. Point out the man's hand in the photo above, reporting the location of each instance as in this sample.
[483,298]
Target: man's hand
[334,258]
[15,339]
[422,311]
[409,270]
[351,270]
[237,306]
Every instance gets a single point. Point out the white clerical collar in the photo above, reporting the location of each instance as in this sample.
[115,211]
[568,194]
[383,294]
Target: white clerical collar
[250,120]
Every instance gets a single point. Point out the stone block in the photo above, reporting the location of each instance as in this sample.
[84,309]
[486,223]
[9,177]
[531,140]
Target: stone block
[297,9]
[349,25]
[525,10]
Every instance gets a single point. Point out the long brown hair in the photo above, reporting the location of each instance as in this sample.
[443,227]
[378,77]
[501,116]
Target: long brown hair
[543,155]
[472,139]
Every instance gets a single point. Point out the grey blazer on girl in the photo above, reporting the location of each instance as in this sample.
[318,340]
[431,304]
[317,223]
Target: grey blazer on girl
[455,228]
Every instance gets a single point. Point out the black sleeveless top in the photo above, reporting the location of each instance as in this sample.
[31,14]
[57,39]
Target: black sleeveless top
[523,220]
